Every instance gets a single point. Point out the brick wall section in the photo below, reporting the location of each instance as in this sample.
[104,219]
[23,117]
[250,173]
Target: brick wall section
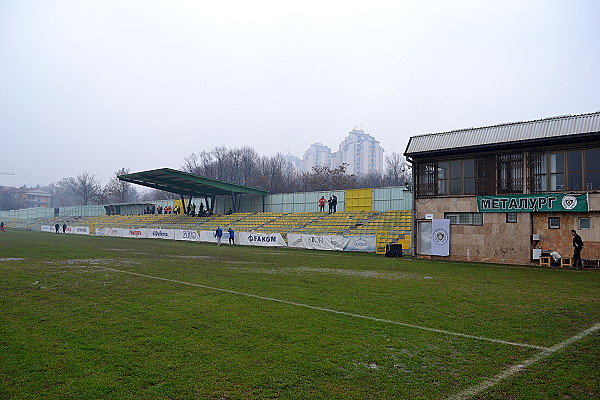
[561,239]
[502,242]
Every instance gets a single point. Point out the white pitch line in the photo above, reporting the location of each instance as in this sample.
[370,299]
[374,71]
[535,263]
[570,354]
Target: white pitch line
[468,393]
[424,328]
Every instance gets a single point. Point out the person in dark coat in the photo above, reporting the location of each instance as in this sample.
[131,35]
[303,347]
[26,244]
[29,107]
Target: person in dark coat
[577,246]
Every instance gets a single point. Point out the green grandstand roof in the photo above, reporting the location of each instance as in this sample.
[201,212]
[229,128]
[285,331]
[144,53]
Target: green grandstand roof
[184,183]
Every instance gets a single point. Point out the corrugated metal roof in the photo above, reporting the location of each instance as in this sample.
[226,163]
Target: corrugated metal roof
[504,133]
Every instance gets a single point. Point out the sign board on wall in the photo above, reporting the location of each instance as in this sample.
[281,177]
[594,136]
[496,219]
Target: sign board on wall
[543,202]
[440,237]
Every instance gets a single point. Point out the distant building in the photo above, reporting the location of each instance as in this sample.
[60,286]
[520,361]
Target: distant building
[27,197]
[316,155]
[360,152]
[295,161]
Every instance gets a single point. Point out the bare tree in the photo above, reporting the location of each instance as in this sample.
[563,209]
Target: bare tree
[232,165]
[396,170]
[10,201]
[322,177]
[371,180]
[275,174]
[190,164]
[220,156]
[248,164]
[86,187]
[119,191]
[156,194]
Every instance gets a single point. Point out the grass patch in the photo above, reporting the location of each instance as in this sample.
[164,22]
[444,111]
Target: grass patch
[80,321]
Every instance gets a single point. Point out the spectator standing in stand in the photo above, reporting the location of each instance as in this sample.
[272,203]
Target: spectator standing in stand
[322,204]
[334,203]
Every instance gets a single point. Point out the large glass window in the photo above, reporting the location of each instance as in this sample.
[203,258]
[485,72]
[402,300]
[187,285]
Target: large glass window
[540,177]
[442,178]
[557,171]
[442,183]
[469,176]
[574,170]
[456,184]
[592,169]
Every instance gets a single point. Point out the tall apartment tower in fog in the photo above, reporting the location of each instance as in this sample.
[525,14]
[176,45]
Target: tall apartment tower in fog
[316,155]
[361,152]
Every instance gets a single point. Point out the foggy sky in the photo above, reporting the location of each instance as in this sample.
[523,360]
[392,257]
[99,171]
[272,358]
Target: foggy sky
[93,86]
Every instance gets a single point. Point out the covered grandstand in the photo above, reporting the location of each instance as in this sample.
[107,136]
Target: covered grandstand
[385,212]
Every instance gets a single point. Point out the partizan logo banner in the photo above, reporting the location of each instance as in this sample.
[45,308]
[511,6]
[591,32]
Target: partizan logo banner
[548,202]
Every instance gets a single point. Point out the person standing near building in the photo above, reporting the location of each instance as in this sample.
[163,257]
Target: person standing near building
[577,246]
[219,235]
[64,228]
[231,236]
[57,227]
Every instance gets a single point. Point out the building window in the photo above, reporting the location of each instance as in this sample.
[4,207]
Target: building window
[574,170]
[575,175]
[442,178]
[456,177]
[510,173]
[511,217]
[585,223]
[426,179]
[539,173]
[592,169]
[553,223]
[557,171]
[458,218]
[469,176]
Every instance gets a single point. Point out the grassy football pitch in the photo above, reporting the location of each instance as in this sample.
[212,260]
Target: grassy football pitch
[108,318]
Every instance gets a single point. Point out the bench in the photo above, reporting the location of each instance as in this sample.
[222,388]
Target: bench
[545,260]
[566,262]
[590,262]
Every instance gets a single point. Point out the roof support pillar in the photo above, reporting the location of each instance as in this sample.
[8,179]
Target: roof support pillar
[183,203]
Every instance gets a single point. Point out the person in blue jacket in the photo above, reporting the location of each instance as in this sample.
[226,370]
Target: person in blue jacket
[231,236]
[219,235]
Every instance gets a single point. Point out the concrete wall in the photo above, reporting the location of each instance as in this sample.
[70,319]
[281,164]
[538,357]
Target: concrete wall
[499,241]
[561,239]
[494,241]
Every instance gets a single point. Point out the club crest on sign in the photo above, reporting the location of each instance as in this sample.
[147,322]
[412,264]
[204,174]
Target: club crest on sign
[440,236]
[569,202]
